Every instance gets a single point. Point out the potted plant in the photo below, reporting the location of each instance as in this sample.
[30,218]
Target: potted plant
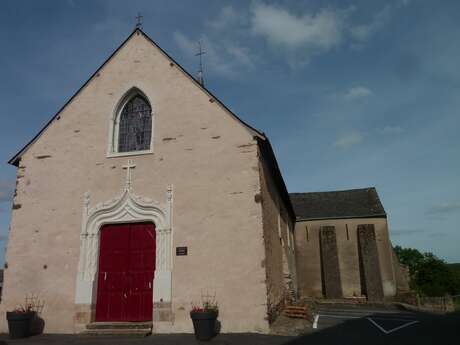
[204,318]
[23,318]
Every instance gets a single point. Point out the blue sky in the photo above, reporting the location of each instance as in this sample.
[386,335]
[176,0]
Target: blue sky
[351,93]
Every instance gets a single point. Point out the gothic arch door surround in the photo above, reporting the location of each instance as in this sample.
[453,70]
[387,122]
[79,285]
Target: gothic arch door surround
[127,208]
[125,272]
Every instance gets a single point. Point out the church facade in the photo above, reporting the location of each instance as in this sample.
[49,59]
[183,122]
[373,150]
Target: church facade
[143,193]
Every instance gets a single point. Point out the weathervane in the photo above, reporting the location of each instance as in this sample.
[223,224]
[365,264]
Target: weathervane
[200,53]
[139,21]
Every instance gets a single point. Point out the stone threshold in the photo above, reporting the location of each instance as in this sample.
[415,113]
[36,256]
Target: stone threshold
[122,328]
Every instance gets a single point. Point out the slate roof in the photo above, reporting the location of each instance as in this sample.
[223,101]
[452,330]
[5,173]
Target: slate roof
[353,203]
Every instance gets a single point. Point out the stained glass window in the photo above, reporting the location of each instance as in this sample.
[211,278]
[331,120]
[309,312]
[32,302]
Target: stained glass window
[135,128]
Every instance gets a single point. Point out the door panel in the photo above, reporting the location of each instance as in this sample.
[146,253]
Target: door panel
[113,266]
[126,271]
[142,268]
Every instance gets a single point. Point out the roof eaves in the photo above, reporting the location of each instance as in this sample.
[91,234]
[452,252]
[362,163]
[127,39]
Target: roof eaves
[379,215]
[333,191]
[267,149]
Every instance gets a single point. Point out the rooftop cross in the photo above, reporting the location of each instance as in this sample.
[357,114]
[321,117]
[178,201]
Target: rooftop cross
[200,53]
[139,21]
[128,168]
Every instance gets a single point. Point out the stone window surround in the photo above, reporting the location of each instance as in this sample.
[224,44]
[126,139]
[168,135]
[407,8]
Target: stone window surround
[112,147]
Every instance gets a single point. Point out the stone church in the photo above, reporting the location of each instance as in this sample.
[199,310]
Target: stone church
[145,192]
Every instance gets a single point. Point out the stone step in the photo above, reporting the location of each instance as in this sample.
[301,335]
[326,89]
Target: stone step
[128,332]
[295,307]
[119,325]
[118,328]
[299,312]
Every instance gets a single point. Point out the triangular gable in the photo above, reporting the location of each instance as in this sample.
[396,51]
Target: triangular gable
[15,160]
[262,140]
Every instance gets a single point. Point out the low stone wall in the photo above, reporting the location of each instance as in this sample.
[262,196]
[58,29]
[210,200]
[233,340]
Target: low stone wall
[445,304]
[437,304]
[401,274]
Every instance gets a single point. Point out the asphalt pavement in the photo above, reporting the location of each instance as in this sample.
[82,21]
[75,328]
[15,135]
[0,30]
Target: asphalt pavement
[388,319]
[334,325]
[368,326]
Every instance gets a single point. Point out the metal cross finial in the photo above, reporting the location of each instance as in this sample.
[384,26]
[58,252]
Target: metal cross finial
[139,21]
[128,168]
[200,53]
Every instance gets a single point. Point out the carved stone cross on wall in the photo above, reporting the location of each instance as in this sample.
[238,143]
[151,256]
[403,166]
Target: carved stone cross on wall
[128,168]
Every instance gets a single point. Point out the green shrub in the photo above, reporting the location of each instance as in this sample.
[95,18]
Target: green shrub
[429,275]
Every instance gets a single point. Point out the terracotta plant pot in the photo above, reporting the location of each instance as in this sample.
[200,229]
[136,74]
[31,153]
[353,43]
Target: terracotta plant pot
[204,324]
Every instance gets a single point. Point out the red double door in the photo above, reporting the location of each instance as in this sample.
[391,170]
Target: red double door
[126,271]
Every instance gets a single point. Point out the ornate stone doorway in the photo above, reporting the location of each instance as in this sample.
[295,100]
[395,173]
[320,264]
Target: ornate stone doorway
[125,209]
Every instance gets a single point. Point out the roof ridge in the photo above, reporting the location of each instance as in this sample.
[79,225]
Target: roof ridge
[335,191]
[351,203]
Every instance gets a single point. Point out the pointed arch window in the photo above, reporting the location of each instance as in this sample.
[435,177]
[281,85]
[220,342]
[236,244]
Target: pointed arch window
[135,127]
[132,126]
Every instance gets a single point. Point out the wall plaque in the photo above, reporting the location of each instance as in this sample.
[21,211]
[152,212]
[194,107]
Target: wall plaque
[181,251]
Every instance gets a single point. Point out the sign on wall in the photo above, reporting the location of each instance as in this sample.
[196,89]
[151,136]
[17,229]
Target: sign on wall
[181,251]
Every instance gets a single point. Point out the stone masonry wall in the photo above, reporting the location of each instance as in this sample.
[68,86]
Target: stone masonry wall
[369,263]
[308,256]
[277,254]
[330,263]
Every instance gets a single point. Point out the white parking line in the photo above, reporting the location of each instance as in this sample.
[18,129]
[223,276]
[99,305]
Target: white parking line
[315,321]
[341,316]
[392,318]
[377,320]
[393,329]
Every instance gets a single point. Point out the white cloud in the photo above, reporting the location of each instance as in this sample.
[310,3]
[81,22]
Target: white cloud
[405,2]
[224,58]
[226,18]
[390,130]
[348,140]
[310,33]
[444,208]
[296,37]
[365,31]
[357,92]
[186,45]
[241,54]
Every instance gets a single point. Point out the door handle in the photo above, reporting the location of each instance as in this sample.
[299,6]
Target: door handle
[150,285]
[124,294]
[105,275]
